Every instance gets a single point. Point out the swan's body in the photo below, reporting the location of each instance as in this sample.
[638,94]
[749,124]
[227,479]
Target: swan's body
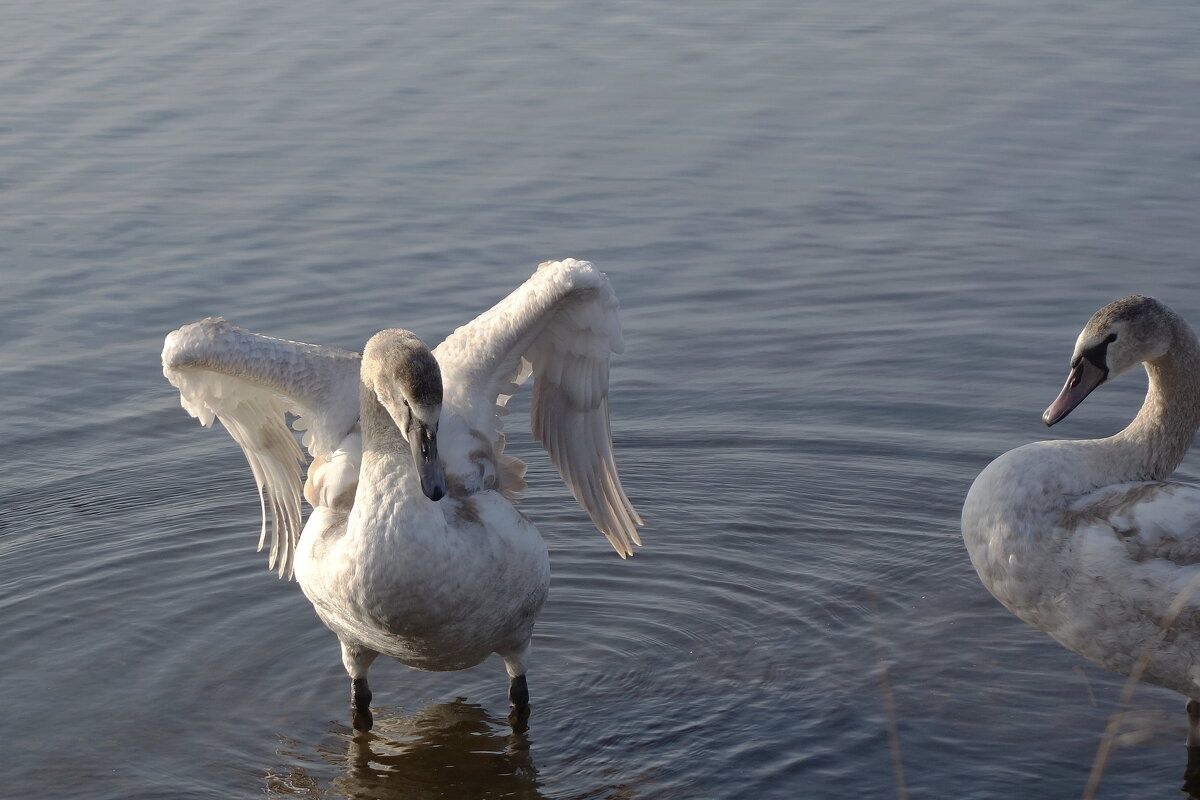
[1087,540]
[414,548]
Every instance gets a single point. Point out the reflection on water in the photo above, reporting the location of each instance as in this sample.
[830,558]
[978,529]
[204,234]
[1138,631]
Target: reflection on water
[449,750]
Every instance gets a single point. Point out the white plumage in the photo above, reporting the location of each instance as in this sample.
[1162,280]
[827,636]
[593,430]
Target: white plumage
[1087,540]
[390,565]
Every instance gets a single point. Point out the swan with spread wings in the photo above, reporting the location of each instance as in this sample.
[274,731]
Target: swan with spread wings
[413,548]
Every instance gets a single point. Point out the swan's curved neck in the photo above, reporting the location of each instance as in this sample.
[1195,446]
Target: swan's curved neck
[379,431]
[1159,436]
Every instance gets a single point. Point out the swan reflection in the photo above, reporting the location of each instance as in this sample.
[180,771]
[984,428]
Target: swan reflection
[449,750]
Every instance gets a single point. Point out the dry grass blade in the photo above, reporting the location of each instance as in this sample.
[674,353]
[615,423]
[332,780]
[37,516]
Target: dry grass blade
[888,700]
[1135,676]
[889,711]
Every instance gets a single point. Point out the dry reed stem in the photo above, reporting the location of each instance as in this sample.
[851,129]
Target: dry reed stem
[893,730]
[888,700]
[1135,676]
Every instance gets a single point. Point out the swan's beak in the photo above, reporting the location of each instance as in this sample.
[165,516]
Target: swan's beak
[1085,377]
[423,442]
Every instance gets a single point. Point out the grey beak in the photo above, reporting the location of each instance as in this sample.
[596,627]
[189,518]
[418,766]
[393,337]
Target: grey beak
[1085,377]
[423,443]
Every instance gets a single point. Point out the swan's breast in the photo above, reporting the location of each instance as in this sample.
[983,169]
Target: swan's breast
[434,585]
[1010,524]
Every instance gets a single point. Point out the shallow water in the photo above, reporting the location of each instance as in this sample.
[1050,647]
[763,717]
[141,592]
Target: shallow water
[853,247]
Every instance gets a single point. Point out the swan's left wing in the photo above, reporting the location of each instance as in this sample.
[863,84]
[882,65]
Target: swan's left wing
[560,326]
[1158,520]
[250,382]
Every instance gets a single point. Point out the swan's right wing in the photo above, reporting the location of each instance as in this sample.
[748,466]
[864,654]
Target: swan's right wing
[558,327]
[1128,558]
[1154,521]
[250,382]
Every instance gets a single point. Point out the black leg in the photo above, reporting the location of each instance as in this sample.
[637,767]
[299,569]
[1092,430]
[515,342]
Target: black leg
[518,692]
[1191,774]
[518,698]
[360,704]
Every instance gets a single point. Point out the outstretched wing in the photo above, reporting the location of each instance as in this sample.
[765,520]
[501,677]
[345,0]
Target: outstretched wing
[560,327]
[249,382]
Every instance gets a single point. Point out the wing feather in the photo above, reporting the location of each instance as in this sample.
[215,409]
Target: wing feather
[1157,520]
[559,327]
[250,382]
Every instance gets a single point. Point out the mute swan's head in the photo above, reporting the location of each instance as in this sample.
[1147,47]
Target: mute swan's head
[1116,339]
[407,381]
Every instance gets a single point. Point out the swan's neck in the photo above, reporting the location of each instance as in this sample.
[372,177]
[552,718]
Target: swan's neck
[389,504]
[381,437]
[1152,446]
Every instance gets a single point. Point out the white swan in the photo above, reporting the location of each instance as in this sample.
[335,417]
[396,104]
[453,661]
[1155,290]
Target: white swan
[1086,540]
[389,568]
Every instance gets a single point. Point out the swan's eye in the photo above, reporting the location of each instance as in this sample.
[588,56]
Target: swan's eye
[1098,353]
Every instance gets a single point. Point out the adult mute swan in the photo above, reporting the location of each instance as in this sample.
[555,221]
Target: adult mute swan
[1086,540]
[413,548]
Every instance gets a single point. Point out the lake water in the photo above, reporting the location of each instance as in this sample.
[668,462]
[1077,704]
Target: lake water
[853,243]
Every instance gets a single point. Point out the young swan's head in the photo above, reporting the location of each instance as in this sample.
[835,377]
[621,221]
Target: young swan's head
[407,381]
[1116,339]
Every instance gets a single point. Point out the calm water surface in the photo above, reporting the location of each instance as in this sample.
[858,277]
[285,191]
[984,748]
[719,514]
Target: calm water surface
[853,242]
